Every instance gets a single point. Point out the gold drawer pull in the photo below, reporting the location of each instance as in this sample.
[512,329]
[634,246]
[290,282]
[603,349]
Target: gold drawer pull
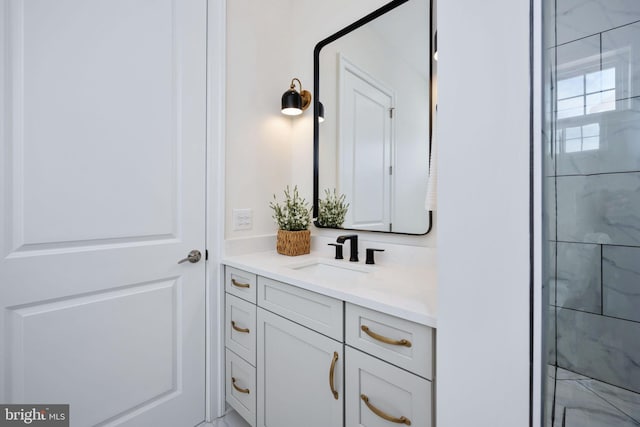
[378,412]
[243,330]
[331,372]
[241,390]
[239,285]
[385,340]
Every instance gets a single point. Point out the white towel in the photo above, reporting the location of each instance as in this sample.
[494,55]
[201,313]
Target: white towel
[432,183]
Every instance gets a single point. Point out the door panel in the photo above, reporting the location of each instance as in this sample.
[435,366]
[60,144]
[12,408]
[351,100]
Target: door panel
[103,190]
[52,329]
[95,82]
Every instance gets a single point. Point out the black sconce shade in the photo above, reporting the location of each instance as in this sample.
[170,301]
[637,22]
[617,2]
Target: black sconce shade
[294,102]
[291,103]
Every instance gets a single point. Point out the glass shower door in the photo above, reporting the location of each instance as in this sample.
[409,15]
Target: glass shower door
[591,192]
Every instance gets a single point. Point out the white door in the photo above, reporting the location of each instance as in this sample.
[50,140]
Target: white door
[366,136]
[298,372]
[102,191]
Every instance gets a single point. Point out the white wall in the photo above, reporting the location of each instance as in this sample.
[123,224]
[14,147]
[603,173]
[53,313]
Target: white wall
[483,246]
[258,136]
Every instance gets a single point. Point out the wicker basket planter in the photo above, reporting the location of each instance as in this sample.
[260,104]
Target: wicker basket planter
[293,243]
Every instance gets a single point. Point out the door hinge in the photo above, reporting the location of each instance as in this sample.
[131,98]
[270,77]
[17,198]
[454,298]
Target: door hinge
[390,226]
[206,254]
[391,112]
[390,170]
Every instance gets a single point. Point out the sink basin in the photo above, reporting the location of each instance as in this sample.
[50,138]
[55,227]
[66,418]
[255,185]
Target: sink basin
[331,271]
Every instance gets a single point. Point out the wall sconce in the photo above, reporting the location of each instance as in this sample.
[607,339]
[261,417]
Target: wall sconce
[294,102]
[320,112]
[435,46]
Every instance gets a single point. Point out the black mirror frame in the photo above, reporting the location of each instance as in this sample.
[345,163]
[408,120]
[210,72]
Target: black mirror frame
[316,90]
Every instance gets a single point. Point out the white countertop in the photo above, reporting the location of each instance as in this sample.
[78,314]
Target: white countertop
[406,291]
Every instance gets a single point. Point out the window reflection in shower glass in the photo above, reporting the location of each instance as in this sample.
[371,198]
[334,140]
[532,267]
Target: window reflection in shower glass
[581,138]
[587,93]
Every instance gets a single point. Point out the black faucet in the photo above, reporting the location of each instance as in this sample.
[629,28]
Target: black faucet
[370,252]
[353,246]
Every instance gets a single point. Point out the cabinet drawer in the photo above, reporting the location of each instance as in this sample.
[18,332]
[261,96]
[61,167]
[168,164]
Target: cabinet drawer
[398,341]
[378,394]
[318,312]
[240,283]
[241,386]
[240,328]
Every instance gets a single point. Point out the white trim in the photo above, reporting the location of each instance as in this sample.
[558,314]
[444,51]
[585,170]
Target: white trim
[538,114]
[216,69]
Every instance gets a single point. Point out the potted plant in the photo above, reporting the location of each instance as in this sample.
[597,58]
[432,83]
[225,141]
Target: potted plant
[293,218]
[332,209]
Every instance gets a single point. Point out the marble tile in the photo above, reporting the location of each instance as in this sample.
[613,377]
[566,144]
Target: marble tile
[573,56]
[580,18]
[549,213]
[548,139]
[232,419]
[563,374]
[550,341]
[587,417]
[621,280]
[578,277]
[549,273]
[551,371]
[548,24]
[624,400]
[599,209]
[599,347]
[549,390]
[618,133]
[575,404]
[548,100]
[621,48]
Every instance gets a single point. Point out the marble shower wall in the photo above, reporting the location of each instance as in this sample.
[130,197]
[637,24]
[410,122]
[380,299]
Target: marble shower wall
[593,191]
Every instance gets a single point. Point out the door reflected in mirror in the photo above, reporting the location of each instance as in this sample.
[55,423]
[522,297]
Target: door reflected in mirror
[373,79]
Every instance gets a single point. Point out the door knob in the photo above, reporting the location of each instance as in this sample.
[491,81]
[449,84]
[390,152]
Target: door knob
[193,257]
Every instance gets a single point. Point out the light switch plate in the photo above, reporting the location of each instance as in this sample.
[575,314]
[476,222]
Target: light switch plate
[243,219]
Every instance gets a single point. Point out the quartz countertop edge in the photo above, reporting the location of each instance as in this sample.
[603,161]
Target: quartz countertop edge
[408,292]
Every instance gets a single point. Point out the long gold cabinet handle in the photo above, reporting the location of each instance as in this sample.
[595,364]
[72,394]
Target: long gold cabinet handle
[383,415]
[384,339]
[331,373]
[239,285]
[241,390]
[239,329]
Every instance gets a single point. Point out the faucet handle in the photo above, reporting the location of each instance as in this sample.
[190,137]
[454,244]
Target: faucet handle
[338,250]
[370,252]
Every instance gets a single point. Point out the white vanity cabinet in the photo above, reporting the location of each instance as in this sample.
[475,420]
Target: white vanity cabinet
[284,353]
[300,358]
